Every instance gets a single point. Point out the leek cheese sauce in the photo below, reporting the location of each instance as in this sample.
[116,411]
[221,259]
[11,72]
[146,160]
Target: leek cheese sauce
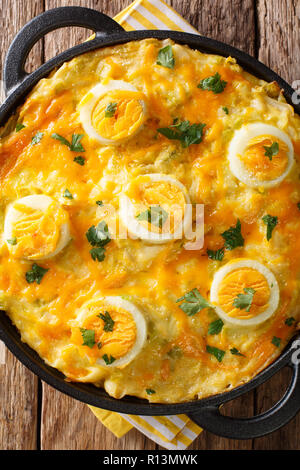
[142,128]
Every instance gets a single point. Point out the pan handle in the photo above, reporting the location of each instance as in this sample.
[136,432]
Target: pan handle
[48,21]
[210,418]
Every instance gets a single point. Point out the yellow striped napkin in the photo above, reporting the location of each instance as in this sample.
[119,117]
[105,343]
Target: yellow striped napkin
[171,432]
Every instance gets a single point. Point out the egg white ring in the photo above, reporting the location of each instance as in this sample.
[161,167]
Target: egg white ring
[38,202]
[141,328]
[272,283]
[136,229]
[86,109]
[238,145]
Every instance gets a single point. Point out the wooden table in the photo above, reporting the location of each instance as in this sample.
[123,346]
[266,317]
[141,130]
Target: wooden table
[34,415]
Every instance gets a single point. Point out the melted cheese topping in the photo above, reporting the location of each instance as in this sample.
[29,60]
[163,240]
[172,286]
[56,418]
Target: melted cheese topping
[172,357]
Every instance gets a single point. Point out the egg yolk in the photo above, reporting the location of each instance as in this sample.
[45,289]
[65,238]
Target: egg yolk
[234,284]
[118,114]
[256,160]
[37,232]
[161,197]
[114,339]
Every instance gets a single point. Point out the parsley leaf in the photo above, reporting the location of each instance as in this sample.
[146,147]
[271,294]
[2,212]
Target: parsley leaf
[99,203]
[98,253]
[88,337]
[217,255]
[193,302]
[12,241]
[155,215]
[36,274]
[244,301]
[19,126]
[272,150]
[79,160]
[165,57]
[218,353]
[37,138]
[215,327]
[183,131]
[110,110]
[74,146]
[225,109]
[233,237]
[67,194]
[108,360]
[276,341]
[290,321]
[108,321]
[270,221]
[149,391]
[213,83]
[98,237]
[236,352]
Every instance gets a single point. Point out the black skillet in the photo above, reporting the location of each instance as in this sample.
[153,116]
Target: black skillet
[18,83]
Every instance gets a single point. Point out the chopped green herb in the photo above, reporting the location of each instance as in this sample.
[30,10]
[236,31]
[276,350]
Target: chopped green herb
[155,215]
[149,391]
[193,302]
[218,353]
[233,237]
[272,150]
[215,327]
[225,109]
[79,160]
[98,237]
[270,221]
[236,352]
[276,341]
[88,337]
[108,360]
[99,203]
[19,126]
[244,301]
[165,57]
[217,255]
[99,345]
[36,274]
[67,194]
[110,110]
[183,131]
[108,321]
[12,241]
[98,253]
[298,205]
[37,138]
[290,321]
[213,83]
[74,146]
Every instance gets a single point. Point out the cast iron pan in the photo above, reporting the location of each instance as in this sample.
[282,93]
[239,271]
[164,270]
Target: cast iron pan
[18,83]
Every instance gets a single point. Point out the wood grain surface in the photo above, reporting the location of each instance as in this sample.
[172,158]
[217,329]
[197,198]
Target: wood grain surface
[34,415]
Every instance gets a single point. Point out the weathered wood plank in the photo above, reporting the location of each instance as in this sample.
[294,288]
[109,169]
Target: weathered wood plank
[18,411]
[18,387]
[232,22]
[69,424]
[279,36]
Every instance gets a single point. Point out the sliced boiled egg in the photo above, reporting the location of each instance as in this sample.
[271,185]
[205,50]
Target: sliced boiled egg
[156,208]
[116,330]
[260,155]
[112,112]
[36,227]
[244,292]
